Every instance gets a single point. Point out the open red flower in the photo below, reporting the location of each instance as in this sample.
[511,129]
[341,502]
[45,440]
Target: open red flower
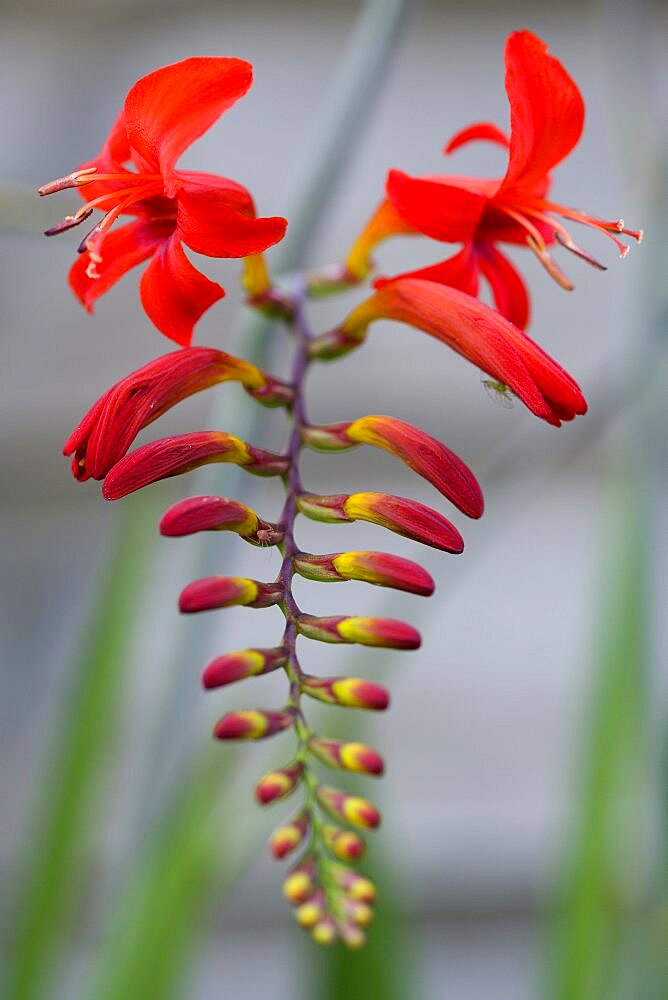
[134,174]
[546,120]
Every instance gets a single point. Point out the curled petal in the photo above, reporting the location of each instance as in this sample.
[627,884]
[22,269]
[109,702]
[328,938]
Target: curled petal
[350,808]
[218,514]
[347,756]
[387,632]
[279,784]
[479,334]
[173,456]
[254,724]
[241,664]
[459,271]
[174,294]
[227,591]
[377,568]
[208,224]
[111,425]
[405,517]
[167,110]
[486,131]
[289,836]
[421,452]
[349,692]
[546,110]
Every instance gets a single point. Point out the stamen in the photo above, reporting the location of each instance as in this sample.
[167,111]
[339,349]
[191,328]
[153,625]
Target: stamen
[534,233]
[76,179]
[69,222]
[606,227]
[578,251]
[550,264]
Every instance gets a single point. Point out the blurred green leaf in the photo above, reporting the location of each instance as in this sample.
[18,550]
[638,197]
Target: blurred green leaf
[588,960]
[50,871]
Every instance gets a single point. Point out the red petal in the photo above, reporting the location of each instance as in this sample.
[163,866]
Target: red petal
[481,130]
[174,293]
[168,109]
[437,209]
[210,225]
[510,294]
[460,271]
[236,195]
[546,110]
[123,249]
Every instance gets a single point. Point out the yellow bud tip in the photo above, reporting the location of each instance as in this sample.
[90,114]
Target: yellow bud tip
[324,934]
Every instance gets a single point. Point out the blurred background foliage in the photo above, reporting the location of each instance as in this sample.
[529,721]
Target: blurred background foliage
[130,847]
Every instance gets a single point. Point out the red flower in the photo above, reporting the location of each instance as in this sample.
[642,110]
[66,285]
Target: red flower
[546,119]
[134,174]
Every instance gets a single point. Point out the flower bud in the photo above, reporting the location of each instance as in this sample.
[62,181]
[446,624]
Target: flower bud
[253,724]
[355,885]
[472,329]
[352,935]
[360,914]
[350,808]
[386,632]
[421,452]
[114,421]
[240,664]
[349,692]
[324,933]
[377,568]
[405,517]
[225,591]
[289,836]
[347,756]
[346,845]
[300,882]
[218,514]
[279,784]
[174,456]
[311,912]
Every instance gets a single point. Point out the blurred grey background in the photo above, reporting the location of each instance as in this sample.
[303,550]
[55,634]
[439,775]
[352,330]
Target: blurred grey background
[486,721]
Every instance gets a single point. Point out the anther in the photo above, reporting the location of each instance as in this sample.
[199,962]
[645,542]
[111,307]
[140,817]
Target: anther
[69,222]
[579,252]
[76,179]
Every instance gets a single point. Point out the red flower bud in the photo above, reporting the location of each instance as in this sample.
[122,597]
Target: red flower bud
[111,425]
[346,845]
[472,329]
[226,591]
[218,514]
[300,882]
[421,452]
[279,784]
[254,724]
[405,517]
[173,456]
[288,837]
[349,692]
[244,663]
[349,808]
[387,632]
[378,568]
[347,756]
